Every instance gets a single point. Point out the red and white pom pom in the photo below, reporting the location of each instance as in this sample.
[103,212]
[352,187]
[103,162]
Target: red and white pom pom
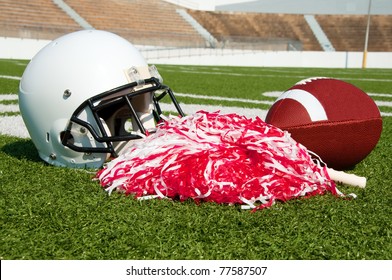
[224,158]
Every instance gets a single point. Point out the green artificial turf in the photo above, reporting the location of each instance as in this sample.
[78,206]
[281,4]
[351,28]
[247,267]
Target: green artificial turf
[57,213]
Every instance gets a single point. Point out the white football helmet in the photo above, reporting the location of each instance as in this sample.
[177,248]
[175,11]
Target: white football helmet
[85,95]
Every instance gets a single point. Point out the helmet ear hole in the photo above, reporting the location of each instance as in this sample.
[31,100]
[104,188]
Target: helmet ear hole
[119,123]
[127,125]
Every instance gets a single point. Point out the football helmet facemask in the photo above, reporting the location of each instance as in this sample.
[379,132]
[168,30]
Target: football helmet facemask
[86,95]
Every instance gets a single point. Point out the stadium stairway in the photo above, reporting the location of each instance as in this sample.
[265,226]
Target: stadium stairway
[73,14]
[211,41]
[319,33]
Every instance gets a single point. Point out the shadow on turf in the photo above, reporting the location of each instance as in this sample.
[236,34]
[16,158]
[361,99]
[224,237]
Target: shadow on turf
[22,149]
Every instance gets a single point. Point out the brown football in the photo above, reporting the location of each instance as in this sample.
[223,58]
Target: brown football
[332,118]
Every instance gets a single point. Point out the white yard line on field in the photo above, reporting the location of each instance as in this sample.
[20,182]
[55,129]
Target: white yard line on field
[193,108]
[278,93]
[221,98]
[13,125]
[10,77]
[380,94]
[384,103]
[272,93]
[14,108]
[8,97]
[261,75]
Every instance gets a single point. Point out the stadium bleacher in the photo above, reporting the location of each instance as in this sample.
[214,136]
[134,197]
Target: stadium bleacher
[39,19]
[157,23]
[347,32]
[269,29]
[152,22]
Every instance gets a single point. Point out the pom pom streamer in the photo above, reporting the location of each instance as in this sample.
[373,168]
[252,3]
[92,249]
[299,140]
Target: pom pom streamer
[224,158]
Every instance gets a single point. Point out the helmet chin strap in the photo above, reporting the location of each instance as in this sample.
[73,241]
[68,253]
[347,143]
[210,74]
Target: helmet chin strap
[143,108]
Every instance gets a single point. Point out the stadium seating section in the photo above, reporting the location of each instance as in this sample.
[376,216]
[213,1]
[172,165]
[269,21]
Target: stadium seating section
[347,32]
[39,19]
[152,22]
[274,30]
[156,22]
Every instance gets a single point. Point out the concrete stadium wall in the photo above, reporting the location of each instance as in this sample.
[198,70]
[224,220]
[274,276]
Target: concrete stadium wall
[271,58]
[16,48]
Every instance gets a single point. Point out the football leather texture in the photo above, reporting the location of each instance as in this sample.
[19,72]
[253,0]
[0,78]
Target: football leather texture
[330,117]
